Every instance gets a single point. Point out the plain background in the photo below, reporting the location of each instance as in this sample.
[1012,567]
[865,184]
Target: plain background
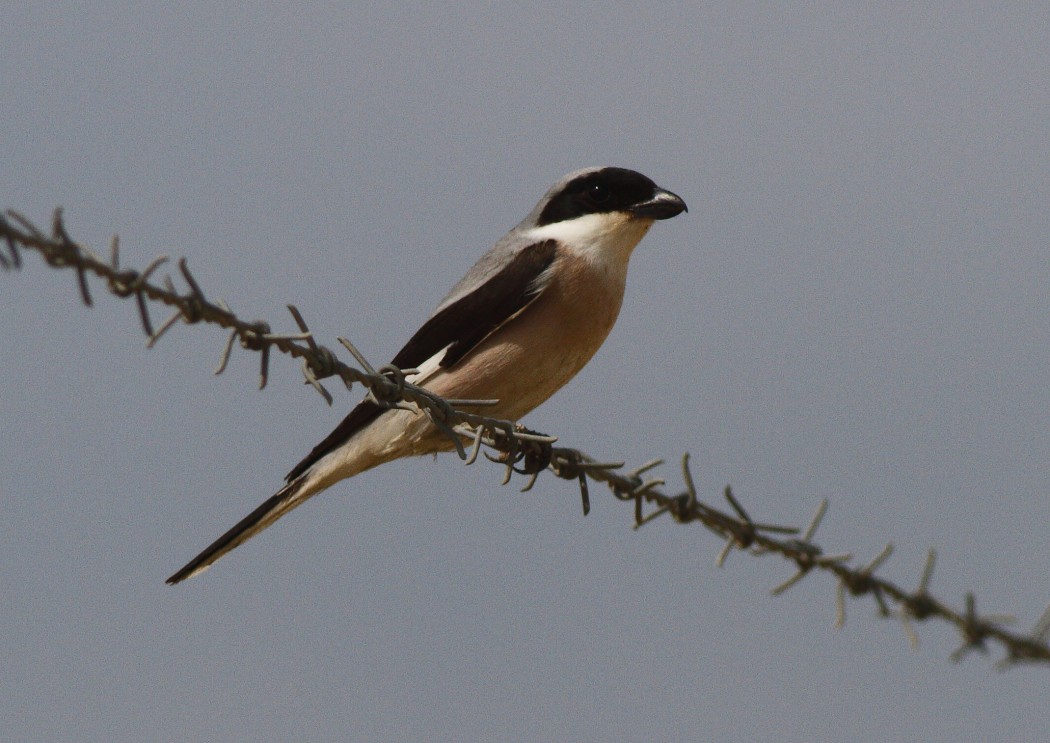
[855,307]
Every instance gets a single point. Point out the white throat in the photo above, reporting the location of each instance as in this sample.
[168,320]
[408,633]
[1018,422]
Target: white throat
[603,239]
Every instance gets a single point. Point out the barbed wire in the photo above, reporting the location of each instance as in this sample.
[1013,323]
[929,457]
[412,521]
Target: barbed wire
[528,453]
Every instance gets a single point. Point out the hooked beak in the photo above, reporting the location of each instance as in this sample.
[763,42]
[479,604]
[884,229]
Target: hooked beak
[663,205]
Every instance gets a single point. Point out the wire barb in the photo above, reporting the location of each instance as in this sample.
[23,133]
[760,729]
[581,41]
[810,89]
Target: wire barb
[15,260]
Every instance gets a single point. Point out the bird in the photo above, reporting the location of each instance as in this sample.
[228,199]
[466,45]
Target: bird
[515,329]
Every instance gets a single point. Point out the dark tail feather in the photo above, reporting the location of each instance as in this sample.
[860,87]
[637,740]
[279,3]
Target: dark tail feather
[283,501]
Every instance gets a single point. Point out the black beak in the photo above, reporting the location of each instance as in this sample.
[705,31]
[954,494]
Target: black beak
[663,205]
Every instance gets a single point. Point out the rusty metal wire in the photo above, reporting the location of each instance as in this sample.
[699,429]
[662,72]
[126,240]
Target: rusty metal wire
[527,453]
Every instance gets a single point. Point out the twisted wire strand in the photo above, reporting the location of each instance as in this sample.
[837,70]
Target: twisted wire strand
[526,453]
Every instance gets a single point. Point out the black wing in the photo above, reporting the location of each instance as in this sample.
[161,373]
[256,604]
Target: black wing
[456,328]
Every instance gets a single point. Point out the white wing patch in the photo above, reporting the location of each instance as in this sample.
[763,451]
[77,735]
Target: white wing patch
[427,368]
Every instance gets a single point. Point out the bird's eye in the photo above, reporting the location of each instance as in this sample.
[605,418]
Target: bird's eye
[599,193]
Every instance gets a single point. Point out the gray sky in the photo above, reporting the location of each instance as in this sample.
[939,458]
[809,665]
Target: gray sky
[855,307]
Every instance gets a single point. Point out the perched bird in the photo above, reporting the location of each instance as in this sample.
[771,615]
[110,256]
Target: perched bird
[523,321]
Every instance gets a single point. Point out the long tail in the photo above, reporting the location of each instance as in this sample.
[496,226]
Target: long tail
[277,505]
